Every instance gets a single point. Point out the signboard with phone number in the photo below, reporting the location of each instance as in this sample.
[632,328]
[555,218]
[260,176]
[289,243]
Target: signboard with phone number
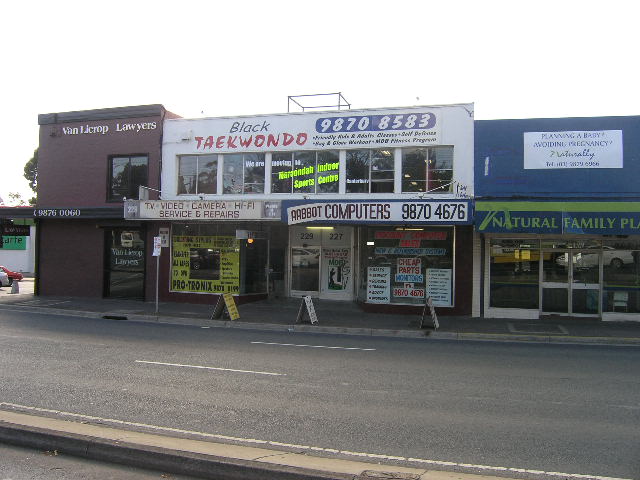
[377,212]
[376,123]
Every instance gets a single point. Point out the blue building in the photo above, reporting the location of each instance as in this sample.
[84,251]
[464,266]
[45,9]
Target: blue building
[558,215]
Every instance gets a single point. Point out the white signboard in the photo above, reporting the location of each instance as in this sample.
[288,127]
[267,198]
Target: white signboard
[157,244]
[202,210]
[309,131]
[381,211]
[311,310]
[378,284]
[577,149]
[439,286]
[163,233]
[409,270]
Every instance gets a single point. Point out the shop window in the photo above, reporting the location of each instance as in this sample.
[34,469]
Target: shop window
[207,258]
[514,273]
[370,171]
[406,266]
[621,277]
[305,172]
[126,174]
[197,174]
[427,169]
[243,173]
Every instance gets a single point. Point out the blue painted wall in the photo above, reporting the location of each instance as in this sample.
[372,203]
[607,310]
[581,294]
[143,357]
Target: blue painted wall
[502,141]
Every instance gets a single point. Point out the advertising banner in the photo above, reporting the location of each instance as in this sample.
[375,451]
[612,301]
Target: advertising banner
[311,131]
[577,149]
[594,218]
[378,284]
[337,262]
[378,212]
[439,286]
[205,264]
[202,210]
[14,243]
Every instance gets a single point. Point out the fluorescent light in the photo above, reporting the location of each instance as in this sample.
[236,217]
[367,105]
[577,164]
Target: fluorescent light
[371,243]
[319,228]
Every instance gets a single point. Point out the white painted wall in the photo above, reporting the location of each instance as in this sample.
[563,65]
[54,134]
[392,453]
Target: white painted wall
[188,136]
[20,260]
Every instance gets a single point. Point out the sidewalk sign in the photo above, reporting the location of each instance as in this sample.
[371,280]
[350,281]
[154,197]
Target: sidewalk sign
[306,302]
[226,305]
[432,311]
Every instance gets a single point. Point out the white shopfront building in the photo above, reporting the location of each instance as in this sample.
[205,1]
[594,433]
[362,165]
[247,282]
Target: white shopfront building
[327,196]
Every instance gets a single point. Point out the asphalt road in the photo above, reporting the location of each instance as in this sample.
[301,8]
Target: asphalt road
[555,408]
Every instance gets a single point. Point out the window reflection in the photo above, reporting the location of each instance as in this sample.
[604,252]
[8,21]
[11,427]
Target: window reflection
[514,274]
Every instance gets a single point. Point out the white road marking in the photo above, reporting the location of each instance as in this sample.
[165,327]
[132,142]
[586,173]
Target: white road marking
[315,346]
[211,368]
[376,456]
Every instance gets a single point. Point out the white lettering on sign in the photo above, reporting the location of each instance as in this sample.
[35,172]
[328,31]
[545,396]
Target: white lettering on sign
[104,129]
[372,212]
[135,127]
[203,210]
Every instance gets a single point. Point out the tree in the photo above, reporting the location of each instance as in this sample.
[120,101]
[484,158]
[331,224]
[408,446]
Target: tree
[31,174]
[16,199]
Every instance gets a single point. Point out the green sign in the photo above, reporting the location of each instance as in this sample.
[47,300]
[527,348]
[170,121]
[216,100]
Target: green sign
[599,218]
[14,243]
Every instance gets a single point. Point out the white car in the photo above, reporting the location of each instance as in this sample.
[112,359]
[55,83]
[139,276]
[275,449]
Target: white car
[4,279]
[305,258]
[610,257]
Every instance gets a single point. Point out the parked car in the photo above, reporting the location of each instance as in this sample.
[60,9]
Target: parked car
[4,279]
[610,257]
[305,258]
[12,275]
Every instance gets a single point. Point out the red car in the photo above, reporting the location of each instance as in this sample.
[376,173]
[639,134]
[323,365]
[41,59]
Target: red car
[12,275]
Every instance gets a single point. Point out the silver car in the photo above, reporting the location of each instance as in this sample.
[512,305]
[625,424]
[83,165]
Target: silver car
[4,279]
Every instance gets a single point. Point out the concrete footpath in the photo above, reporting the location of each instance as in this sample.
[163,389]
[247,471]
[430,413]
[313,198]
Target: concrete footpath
[333,318]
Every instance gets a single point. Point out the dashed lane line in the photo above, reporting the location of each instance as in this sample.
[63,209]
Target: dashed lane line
[202,367]
[315,346]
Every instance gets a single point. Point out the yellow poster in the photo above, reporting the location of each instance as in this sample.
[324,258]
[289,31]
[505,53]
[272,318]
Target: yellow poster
[205,264]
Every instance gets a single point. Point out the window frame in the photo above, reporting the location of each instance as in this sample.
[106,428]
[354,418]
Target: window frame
[245,156]
[372,182]
[430,174]
[198,172]
[111,198]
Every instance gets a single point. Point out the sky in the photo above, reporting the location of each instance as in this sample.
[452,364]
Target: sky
[512,59]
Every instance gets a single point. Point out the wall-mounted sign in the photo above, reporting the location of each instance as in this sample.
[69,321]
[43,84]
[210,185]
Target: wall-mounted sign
[576,149]
[309,131]
[14,243]
[379,211]
[89,212]
[16,230]
[378,284]
[214,210]
[104,129]
[599,218]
